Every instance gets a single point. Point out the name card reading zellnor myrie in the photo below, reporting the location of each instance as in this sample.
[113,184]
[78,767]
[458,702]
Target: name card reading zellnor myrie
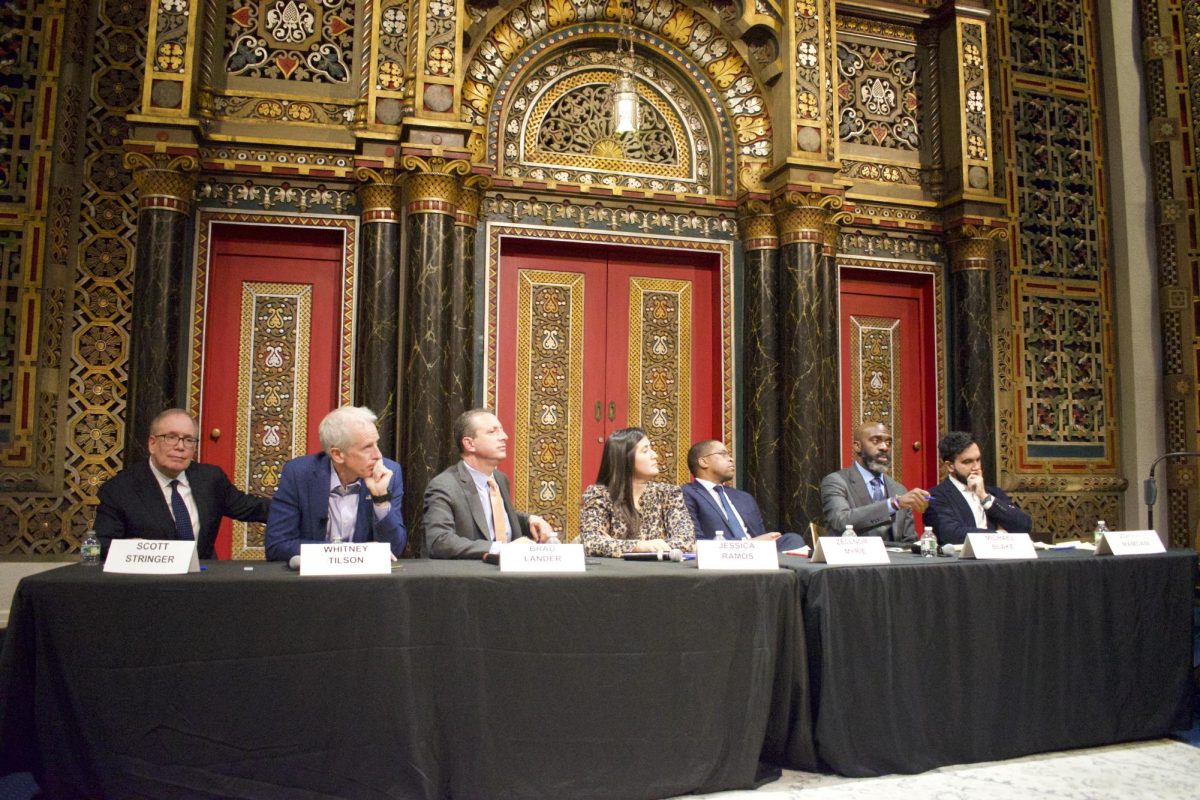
[1130,543]
[837,551]
[152,557]
[530,557]
[346,558]
[740,554]
[998,546]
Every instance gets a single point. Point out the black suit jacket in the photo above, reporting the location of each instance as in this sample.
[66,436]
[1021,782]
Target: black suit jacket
[951,518]
[132,506]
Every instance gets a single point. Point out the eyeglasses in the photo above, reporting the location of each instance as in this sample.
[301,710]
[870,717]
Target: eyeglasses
[173,439]
[722,453]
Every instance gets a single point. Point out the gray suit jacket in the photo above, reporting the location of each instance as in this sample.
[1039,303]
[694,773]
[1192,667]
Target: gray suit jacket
[846,501]
[454,522]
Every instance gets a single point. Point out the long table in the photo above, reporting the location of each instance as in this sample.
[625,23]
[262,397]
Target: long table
[441,680]
[929,662]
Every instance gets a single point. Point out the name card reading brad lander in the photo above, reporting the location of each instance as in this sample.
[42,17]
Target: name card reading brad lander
[151,557]
[740,554]
[530,557]
[1130,543]
[837,551]
[346,558]
[998,546]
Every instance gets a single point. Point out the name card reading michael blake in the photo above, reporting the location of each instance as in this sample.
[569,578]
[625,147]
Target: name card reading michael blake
[739,554]
[346,558]
[1130,543]
[837,551]
[528,557]
[152,557]
[998,546]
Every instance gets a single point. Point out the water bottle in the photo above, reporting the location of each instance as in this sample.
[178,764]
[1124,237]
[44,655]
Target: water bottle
[553,538]
[89,549]
[1101,529]
[848,532]
[929,545]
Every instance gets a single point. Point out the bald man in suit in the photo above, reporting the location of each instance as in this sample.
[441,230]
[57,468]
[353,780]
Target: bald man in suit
[865,496]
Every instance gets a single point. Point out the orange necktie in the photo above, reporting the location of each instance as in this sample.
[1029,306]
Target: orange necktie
[497,511]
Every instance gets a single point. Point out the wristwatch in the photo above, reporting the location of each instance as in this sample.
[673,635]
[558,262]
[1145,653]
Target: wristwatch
[988,499]
[382,498]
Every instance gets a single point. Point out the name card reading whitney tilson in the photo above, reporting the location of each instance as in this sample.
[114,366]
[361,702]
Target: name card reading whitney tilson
[1130,543]
[530,557]
[837,551]
[998,546]
[151,557]
[346,558]
[740,554]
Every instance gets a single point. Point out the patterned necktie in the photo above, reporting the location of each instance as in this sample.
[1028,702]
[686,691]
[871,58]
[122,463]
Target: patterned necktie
[735,528]
[877,492]
[497,511]
[183,520]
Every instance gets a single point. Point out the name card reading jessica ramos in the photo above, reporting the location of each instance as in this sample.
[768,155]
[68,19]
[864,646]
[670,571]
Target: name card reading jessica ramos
[347,558]
[998,546]
[1130,543]
[529,557]
[151,557]
[740,554]
[837,552]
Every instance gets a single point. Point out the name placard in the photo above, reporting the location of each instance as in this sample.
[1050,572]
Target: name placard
[346,558]
[1130,543]
[836,551]
[998,546]
[532,557]
[739,554]
[152,557]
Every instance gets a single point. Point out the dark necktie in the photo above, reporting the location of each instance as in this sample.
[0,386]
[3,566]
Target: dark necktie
[183,520]
[877,492]
[735,527]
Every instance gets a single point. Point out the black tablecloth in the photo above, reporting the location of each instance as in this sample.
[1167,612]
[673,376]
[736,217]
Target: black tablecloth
[441,680]
[928,662]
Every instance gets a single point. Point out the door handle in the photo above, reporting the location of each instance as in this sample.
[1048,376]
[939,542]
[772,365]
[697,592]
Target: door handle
[215,434]
[612,410]
[916,447]
[599,411]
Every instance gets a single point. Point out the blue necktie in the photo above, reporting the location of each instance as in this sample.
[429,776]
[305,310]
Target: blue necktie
[877,493]
[183,520]
[734,527]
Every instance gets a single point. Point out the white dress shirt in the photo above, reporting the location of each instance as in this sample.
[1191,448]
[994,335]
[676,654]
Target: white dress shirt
[185,491]
[977,506]
[485,500]
[711,488]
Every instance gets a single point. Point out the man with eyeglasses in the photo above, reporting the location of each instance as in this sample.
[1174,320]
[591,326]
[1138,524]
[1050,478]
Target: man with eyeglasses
[170,496]
[716,507]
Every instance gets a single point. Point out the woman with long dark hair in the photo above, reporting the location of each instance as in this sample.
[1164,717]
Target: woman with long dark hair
[625,510]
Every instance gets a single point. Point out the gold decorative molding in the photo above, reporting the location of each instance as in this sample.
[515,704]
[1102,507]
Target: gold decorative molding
[433,183]
[758,226]
[163,181]
[803,215]
[469,200]
[379,194]
[973,247]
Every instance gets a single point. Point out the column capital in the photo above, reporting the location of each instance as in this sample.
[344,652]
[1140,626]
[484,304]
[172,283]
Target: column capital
[973,247]
[803,216]
[379,193]
[758,226]
[164,180]
[433,183]
[469,198]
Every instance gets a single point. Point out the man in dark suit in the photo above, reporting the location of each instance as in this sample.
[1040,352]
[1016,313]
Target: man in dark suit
[347,493]
[468,508]
[170,496]
[717,507]
[865,496]
[963,503]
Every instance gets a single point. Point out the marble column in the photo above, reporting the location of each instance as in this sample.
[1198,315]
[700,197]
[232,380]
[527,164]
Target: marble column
[973,409]
[160,341]
[431,392]
[759,467]
[460,322]
[808,446]
[377,325]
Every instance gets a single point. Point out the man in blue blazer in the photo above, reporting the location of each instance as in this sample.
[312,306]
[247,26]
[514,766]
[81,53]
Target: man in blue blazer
[170,495]
[348,492]
[963,503]
[716,507]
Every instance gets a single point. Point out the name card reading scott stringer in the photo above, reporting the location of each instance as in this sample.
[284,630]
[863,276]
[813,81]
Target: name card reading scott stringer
[995,546]
[152,557]
[836,551]
[740,554]
[347,558]
[530,557]
[1130,543]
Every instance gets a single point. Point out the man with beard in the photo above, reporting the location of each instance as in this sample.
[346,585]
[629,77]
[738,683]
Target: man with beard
[865,496]
[962,503]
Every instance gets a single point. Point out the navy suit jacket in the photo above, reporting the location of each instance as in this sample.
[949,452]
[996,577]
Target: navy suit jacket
[951,518]
[132,505]
[710,518]
[300,510]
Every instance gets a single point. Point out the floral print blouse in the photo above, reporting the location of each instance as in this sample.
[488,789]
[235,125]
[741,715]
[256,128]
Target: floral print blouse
[664,516]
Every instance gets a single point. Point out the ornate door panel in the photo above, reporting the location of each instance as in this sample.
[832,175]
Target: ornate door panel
[888,368]
[272,345]
[592,339]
